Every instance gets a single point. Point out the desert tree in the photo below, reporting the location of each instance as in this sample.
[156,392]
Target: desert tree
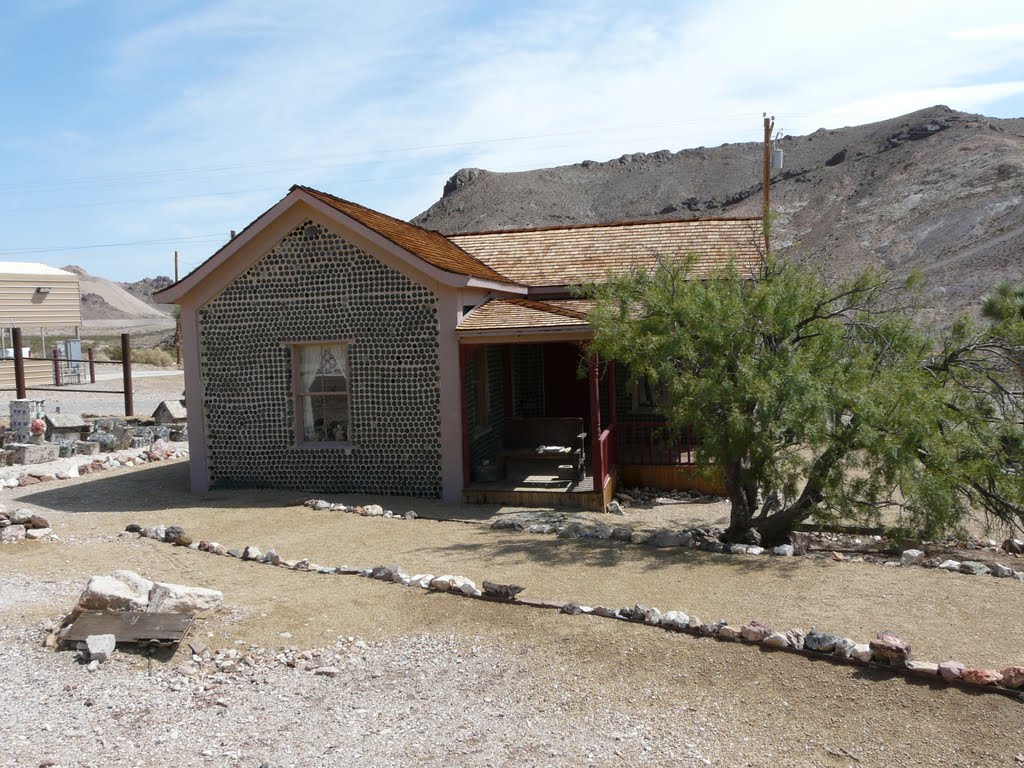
[815,399]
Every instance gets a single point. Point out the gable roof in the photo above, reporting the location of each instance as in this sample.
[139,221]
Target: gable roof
[433,251]
[558,256]
[432,247]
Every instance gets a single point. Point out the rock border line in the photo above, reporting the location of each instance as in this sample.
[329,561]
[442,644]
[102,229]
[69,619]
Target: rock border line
[887,651]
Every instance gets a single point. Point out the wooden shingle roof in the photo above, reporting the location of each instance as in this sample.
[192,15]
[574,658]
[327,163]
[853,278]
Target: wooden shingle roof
[514,314]
[433,248]
[557,256]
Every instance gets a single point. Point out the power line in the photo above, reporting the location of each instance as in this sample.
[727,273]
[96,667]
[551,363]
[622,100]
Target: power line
[190,239]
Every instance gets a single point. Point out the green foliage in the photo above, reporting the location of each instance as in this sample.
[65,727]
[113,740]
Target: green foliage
[158,357]
[823,400]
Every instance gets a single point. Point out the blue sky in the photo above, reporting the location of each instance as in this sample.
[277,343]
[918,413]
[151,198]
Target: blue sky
[129,130]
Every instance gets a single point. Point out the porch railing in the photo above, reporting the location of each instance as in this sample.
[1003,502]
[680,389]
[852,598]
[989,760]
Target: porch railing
[604,457]
[653,443]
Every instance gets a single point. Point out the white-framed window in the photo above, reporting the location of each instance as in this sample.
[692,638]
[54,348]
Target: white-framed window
[320,376]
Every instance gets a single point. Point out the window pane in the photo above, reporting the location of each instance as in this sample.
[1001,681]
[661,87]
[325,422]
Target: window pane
[325,418]
[323,405]
[323,368]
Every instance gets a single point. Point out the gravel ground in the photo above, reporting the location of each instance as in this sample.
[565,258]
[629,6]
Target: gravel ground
[422,700]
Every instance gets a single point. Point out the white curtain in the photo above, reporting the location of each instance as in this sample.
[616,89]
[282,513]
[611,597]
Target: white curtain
[322,368]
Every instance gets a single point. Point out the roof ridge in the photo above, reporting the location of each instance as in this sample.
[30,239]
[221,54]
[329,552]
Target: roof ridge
[321,195]
[625,223]
[543,306]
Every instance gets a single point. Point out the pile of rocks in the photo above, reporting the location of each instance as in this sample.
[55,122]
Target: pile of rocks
[158,451]
[23,524]
[368,510]
[117,434]
[128,591]
[646,496]
[968,567]
[215,668]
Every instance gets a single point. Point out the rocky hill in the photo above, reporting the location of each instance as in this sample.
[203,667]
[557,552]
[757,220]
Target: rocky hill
[936,190]
[145,288]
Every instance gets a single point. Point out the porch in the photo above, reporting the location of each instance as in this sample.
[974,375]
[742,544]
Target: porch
[548,376]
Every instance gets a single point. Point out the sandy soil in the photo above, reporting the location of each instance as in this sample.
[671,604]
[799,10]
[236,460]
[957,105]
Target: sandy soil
[767,708]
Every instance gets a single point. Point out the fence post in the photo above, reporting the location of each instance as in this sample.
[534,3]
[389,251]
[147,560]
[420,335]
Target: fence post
[56,367]
[126,370]
[92,367]
[19,363]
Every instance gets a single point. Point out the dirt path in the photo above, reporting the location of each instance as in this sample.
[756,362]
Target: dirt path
[764,708]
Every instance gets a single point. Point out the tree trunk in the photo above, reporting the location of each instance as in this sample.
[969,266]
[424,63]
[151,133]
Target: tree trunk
[742,489]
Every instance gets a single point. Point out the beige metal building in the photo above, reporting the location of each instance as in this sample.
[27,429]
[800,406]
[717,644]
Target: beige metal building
[35,298]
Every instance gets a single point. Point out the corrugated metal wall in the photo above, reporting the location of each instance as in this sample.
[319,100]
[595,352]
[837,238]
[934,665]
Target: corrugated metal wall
[38,373]
[22,305]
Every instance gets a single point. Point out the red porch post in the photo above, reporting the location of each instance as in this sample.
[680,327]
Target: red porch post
[463,357]
[596,457]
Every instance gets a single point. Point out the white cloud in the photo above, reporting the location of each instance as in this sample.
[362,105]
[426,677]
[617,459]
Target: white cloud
[382,102]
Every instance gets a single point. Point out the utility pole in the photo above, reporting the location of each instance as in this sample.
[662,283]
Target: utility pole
[177,320]
[769,125]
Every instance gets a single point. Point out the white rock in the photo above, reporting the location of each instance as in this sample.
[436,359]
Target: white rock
[776,640]
[950,565]
[374,510]
[100,647]
[442,583]
[676,620]
[861,652]
[92,666]
[755,550]
[321,504]
[844,647]
[911,557]
[73,471]
[425,579]
[12,533]
[176,598]
[39,533]
[110,593]
[463,585]
[998,569]
[652,616]
[783,550]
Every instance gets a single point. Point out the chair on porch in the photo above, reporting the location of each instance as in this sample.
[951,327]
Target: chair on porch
[544,443]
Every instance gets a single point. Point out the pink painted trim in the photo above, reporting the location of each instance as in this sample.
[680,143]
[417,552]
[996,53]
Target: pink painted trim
[198,461]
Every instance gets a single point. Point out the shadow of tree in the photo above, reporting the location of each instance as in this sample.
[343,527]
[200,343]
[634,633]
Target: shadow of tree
[550,550]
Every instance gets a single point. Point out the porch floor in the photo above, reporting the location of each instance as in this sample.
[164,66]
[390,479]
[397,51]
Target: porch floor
[541,490]
[537,482]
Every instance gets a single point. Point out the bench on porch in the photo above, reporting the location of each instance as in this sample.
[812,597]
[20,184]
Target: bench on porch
[546,441]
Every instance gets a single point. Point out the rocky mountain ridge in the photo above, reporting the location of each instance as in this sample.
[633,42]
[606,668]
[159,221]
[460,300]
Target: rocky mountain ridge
[935,190]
